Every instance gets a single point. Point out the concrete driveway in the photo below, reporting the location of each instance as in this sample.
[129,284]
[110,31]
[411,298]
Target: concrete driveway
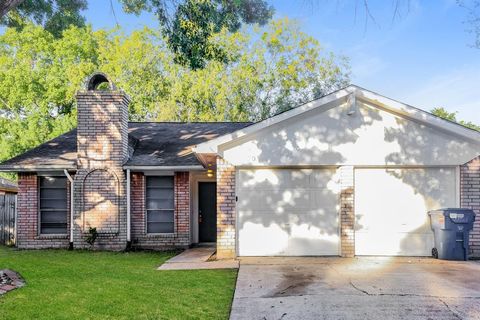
[360,288]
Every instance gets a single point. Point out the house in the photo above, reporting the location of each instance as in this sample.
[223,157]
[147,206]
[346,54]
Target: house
[351,173]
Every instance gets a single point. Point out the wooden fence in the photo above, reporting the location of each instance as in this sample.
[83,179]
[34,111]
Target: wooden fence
[7,219]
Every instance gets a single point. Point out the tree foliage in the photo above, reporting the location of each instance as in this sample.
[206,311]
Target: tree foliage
[272,69]
[54,15]
[452,116]
[189,25]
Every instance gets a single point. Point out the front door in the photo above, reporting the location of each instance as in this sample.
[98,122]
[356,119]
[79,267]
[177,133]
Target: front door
[207,211]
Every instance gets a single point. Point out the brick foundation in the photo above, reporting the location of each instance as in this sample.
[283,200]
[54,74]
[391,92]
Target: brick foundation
[181,237]
[225,210]
[470,198]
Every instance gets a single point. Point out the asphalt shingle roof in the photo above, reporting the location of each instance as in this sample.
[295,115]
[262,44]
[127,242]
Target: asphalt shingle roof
[150,144]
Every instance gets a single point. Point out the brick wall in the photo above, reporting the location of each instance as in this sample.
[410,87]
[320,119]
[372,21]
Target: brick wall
[28,234]
[225,210]
[470,198]
[181,237]
[347,211]
[100,182]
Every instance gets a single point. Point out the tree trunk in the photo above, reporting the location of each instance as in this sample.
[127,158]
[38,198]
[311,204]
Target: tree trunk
[7,5]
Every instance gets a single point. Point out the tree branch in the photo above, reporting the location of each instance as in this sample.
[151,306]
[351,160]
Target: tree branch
[7,5]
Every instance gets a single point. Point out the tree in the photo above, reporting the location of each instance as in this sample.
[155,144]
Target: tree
[274,68]
[54,15]
[188,25]
[452,116]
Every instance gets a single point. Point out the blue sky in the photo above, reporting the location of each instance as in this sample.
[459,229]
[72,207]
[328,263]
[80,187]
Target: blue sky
[423,57]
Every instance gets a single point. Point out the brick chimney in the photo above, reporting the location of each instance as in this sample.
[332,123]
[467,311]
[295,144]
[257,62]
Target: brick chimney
[102,148]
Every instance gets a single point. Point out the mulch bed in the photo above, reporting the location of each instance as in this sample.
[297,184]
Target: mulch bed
[10,280]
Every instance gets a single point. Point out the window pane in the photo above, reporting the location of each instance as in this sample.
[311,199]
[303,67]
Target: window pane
[159,204]
[163,193]
[160,195]
[160,181]
[160,227]
[53,204]
[160,216]
[53,193]
[53,228]
[58,182]
[53,217]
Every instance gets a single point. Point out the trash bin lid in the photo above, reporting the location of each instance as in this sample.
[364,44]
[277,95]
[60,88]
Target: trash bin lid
[457,215]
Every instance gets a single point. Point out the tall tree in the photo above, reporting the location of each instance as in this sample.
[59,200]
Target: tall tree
[274,68]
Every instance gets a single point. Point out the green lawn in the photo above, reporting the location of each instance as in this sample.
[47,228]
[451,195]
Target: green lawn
[106,285]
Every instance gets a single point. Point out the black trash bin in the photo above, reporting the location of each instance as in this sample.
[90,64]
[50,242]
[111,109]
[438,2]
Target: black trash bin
[451,228]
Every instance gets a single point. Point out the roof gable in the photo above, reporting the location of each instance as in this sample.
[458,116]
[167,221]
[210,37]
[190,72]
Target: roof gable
[348,95]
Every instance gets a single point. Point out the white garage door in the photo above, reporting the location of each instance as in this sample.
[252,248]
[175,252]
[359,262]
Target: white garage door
[391,208]
[285,212]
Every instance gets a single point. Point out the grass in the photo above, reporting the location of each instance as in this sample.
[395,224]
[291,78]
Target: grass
[106,285]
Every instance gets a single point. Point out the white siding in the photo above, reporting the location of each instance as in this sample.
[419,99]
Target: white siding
[370,136]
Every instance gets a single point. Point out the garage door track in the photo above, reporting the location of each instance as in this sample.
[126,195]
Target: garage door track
[360,288]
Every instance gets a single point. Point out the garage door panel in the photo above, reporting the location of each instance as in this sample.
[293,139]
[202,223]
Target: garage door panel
[287,212]
[294,178]
[286,200]
[391,208]
[394,244]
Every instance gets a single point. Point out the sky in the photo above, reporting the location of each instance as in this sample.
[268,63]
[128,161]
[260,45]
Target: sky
[423,56]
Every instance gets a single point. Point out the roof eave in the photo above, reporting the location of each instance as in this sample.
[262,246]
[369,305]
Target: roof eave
[20,168]
[159,168]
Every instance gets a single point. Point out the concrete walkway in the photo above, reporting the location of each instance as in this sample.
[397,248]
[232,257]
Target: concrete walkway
[359,288]
[196,259]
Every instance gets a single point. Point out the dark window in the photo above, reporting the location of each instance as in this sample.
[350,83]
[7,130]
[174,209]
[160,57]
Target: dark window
[53,205]
[160,204]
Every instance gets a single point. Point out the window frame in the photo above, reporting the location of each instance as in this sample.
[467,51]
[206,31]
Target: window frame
[173,210]
[39,204]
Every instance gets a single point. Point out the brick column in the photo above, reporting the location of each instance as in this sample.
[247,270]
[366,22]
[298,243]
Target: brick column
[225,210]
[470,198]
[182,208]
[347,211]
[100,182]
[137,207]
[27,210]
